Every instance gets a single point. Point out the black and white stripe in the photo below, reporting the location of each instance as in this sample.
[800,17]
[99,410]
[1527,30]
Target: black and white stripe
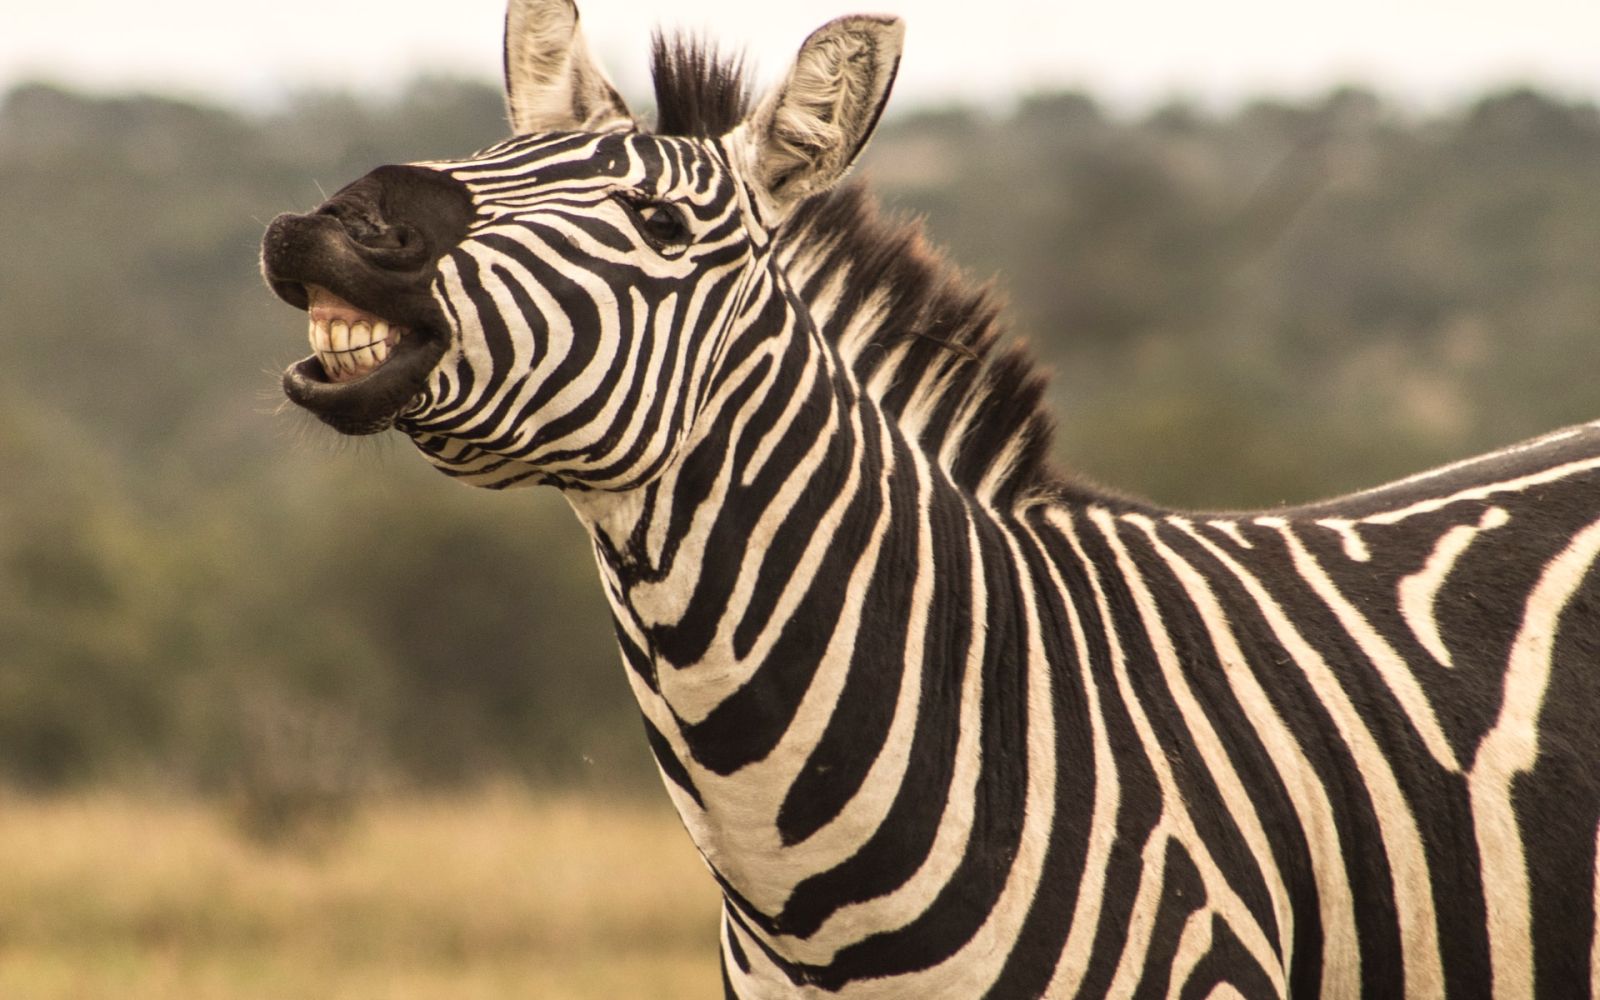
[556,247]
[945,725]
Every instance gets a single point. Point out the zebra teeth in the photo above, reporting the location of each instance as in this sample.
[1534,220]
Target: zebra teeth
[349,342]
[350,350]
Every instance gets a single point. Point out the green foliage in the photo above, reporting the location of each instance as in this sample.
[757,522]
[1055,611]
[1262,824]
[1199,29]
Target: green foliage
[198,589]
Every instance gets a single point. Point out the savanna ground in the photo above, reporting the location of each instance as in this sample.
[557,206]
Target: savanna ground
[496,894]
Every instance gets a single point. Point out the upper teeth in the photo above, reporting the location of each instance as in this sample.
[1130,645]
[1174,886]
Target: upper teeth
[350,350]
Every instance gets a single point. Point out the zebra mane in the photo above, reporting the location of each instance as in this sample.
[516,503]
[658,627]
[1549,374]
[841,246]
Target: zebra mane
[700,92]
[918,335]
[924,342]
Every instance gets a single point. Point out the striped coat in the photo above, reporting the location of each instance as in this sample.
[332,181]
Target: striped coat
[941,721]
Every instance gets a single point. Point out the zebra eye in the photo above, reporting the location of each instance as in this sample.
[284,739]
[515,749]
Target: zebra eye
[660,222]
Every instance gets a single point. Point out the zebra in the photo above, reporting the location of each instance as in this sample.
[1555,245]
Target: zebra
[941,721]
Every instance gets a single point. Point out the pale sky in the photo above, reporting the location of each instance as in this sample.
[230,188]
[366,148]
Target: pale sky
[1134,53]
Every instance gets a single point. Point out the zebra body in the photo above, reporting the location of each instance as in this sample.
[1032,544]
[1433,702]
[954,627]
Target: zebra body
[940,723]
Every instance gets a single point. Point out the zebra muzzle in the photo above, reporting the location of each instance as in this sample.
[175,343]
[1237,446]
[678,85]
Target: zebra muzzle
[362,265]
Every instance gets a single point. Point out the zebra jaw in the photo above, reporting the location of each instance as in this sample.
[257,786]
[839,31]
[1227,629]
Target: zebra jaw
[348,342]
[365,370]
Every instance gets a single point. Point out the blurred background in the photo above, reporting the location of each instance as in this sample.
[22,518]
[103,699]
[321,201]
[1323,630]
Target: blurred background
[284,714]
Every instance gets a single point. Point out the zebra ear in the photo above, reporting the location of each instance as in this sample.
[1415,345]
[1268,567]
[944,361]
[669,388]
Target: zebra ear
[805,133]
[552,83]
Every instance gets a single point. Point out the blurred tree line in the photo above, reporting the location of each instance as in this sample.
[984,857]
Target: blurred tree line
[201,589]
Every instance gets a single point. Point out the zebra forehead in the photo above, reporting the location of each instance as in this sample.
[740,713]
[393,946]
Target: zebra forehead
[582,158]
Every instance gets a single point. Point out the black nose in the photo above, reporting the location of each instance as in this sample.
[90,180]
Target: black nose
[381,234]
[394,245]
[375,214]
[402,217]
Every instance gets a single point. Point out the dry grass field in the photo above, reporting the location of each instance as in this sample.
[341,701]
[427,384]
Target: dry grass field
[494,895]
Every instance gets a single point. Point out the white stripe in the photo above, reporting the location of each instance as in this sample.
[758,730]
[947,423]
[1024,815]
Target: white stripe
[1076,954]
[955,823]
[1175,815]
[695,690]
[782,428]
[1146,902]
[1231,530]
[1397,827]
[1511,748]
[974,967]
[1193,944]
[1355,548]
[1485,490]
[1219,765]
[746,843]
[1390,665]
[1420,590]
[1307,796]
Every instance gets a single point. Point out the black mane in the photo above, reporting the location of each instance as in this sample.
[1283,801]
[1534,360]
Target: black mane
[918,335]
[925,342]
[700,93]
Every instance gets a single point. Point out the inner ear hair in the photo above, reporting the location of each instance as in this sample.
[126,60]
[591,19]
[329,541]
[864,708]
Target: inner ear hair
[809,130]
[552,82]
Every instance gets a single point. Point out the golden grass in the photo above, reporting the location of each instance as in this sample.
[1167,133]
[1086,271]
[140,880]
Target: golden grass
[495,895]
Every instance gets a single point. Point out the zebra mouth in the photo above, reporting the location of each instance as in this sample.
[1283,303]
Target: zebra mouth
[364,369]
[348,342]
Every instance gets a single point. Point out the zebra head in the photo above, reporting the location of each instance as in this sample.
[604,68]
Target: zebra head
[554,308]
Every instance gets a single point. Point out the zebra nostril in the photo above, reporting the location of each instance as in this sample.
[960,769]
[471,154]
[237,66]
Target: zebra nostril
[386,238]
[366,227]
[399,247]
[396,247]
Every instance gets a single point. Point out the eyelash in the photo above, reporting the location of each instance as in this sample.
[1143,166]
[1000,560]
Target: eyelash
[660,222]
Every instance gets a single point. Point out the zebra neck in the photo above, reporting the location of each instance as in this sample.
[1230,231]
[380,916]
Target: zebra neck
[784,480]
[828,638]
